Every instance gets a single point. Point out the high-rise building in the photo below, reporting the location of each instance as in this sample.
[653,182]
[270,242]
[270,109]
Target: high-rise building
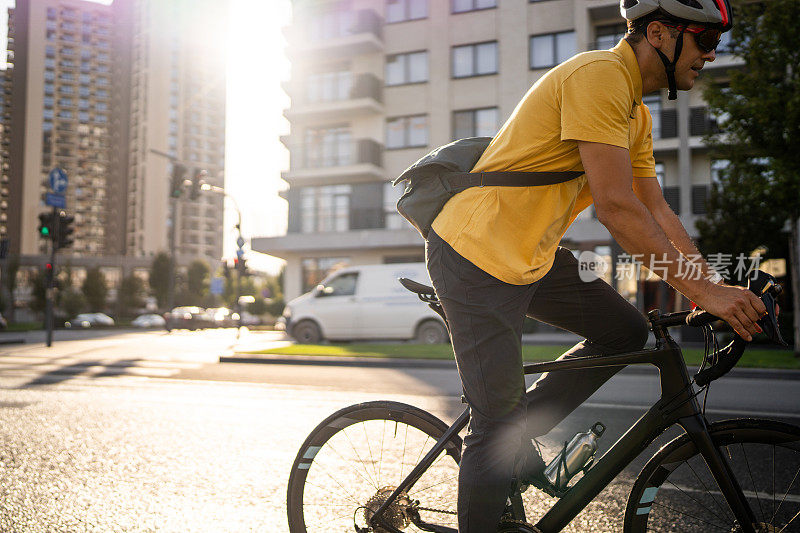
[113,94]
[376,84]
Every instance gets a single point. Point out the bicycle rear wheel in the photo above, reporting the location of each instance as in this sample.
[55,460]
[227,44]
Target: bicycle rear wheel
[355,458]
[675,491]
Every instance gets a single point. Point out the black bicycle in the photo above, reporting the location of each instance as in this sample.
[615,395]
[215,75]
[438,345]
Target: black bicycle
[390,467]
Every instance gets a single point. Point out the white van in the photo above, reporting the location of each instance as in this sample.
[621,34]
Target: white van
[364,302]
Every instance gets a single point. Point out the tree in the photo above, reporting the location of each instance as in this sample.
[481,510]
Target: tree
[131,294]
[197,282]
[71,301]
[38,283]
[95,290]
[9,283]
[159,278]
[757,194]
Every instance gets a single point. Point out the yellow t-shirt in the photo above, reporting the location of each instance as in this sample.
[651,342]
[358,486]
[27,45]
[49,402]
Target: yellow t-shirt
[513,232]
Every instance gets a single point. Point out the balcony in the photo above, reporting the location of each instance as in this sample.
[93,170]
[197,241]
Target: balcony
[315,164]
[364,97]
[341,241]
[339,35]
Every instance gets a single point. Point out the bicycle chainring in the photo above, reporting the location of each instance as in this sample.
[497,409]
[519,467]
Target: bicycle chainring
[398,514]
[508,525]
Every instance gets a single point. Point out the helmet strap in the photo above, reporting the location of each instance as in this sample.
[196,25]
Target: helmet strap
[669,66]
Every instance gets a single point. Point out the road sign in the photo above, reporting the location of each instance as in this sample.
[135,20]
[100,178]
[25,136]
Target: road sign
[55,200]
[217,285]
[240,242]
[58,181]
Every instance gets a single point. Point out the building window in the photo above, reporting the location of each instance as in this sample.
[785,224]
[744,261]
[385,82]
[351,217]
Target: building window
[328,147]
[49,88]
[401,10]
[392,219]
[550,49]
[314,270]
[325,209]
[462,6]
[407,132]
[474,59]
[609,35]
[654,104]
[475,123]
[329,86]
[407,68]
[48,101]
[83,116]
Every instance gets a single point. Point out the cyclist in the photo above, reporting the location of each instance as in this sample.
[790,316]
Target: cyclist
[493,253]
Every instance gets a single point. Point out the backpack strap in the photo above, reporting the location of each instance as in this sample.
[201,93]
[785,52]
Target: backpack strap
[462,180]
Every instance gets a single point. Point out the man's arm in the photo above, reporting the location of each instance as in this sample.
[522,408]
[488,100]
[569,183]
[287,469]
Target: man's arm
[649,192]
[608,170]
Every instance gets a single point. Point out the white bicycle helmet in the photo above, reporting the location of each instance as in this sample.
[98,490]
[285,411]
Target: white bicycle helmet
[714,14]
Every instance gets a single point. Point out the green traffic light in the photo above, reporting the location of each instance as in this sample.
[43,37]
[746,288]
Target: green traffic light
[45,231]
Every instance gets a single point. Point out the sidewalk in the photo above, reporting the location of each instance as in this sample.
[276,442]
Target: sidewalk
[237,355]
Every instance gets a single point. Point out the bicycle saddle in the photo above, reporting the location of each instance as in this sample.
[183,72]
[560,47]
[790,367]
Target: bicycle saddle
[418,288]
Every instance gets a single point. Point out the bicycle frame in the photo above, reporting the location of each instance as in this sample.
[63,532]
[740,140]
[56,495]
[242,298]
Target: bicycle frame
[677,405]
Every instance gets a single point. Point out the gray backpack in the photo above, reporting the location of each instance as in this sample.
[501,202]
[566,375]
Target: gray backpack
[444,172]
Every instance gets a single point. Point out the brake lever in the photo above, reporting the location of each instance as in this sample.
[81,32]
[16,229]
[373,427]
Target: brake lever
[765,287]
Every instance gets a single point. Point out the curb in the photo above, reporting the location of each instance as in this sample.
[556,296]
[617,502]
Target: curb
[382,362]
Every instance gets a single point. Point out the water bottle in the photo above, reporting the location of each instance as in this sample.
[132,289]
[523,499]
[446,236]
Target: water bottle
[573,457]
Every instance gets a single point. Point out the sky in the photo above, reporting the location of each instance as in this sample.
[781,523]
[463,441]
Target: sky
[254,156]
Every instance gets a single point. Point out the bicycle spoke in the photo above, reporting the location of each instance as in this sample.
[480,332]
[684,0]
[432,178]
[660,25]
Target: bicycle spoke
[773,482]
[380,459]
[349,463]
[789,522]
[346,494]
[691,516]
[753,481]
[785,495]
[403,457]
[322,522]
[358,456]
[369,447]
[721,507]
[724,519]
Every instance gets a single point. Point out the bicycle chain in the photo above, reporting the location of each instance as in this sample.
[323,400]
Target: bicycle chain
[505,520]
[435,510]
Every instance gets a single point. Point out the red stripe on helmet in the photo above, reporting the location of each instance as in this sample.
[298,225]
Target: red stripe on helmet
[723,9]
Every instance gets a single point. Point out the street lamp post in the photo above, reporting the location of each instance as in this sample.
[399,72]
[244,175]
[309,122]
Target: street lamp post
[239,242]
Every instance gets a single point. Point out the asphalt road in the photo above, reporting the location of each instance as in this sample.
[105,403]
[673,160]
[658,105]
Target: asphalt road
[146,432]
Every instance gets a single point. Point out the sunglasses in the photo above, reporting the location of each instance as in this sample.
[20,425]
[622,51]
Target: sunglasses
[707,39]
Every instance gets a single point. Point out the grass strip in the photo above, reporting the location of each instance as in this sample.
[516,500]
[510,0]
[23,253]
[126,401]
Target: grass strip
[752,358]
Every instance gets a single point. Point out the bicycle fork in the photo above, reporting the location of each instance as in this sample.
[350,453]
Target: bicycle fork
[697,429]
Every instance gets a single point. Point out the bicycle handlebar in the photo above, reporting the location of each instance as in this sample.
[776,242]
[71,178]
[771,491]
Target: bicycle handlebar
[765,287]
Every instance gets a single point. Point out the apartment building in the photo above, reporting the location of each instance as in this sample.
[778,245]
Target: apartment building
[376,84]
[113,94]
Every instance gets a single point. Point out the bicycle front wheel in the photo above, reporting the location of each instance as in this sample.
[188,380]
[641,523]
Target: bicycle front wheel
[352,461]
[675,491]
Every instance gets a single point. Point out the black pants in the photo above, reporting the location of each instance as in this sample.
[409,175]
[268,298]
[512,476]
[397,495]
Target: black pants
[485,317]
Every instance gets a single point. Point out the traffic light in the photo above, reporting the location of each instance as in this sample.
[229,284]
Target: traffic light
[46,226]
[176,183]
[65,230]
[197,181]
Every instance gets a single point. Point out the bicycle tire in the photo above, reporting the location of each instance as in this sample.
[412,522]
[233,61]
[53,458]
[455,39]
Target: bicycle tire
[676,492]
[330,467]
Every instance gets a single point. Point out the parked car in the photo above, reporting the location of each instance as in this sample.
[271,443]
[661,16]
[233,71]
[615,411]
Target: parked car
[364,302]
[89,320]
[219,317]
[187,317]
[149,320]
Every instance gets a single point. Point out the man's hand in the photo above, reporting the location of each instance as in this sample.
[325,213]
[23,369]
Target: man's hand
[737,306]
